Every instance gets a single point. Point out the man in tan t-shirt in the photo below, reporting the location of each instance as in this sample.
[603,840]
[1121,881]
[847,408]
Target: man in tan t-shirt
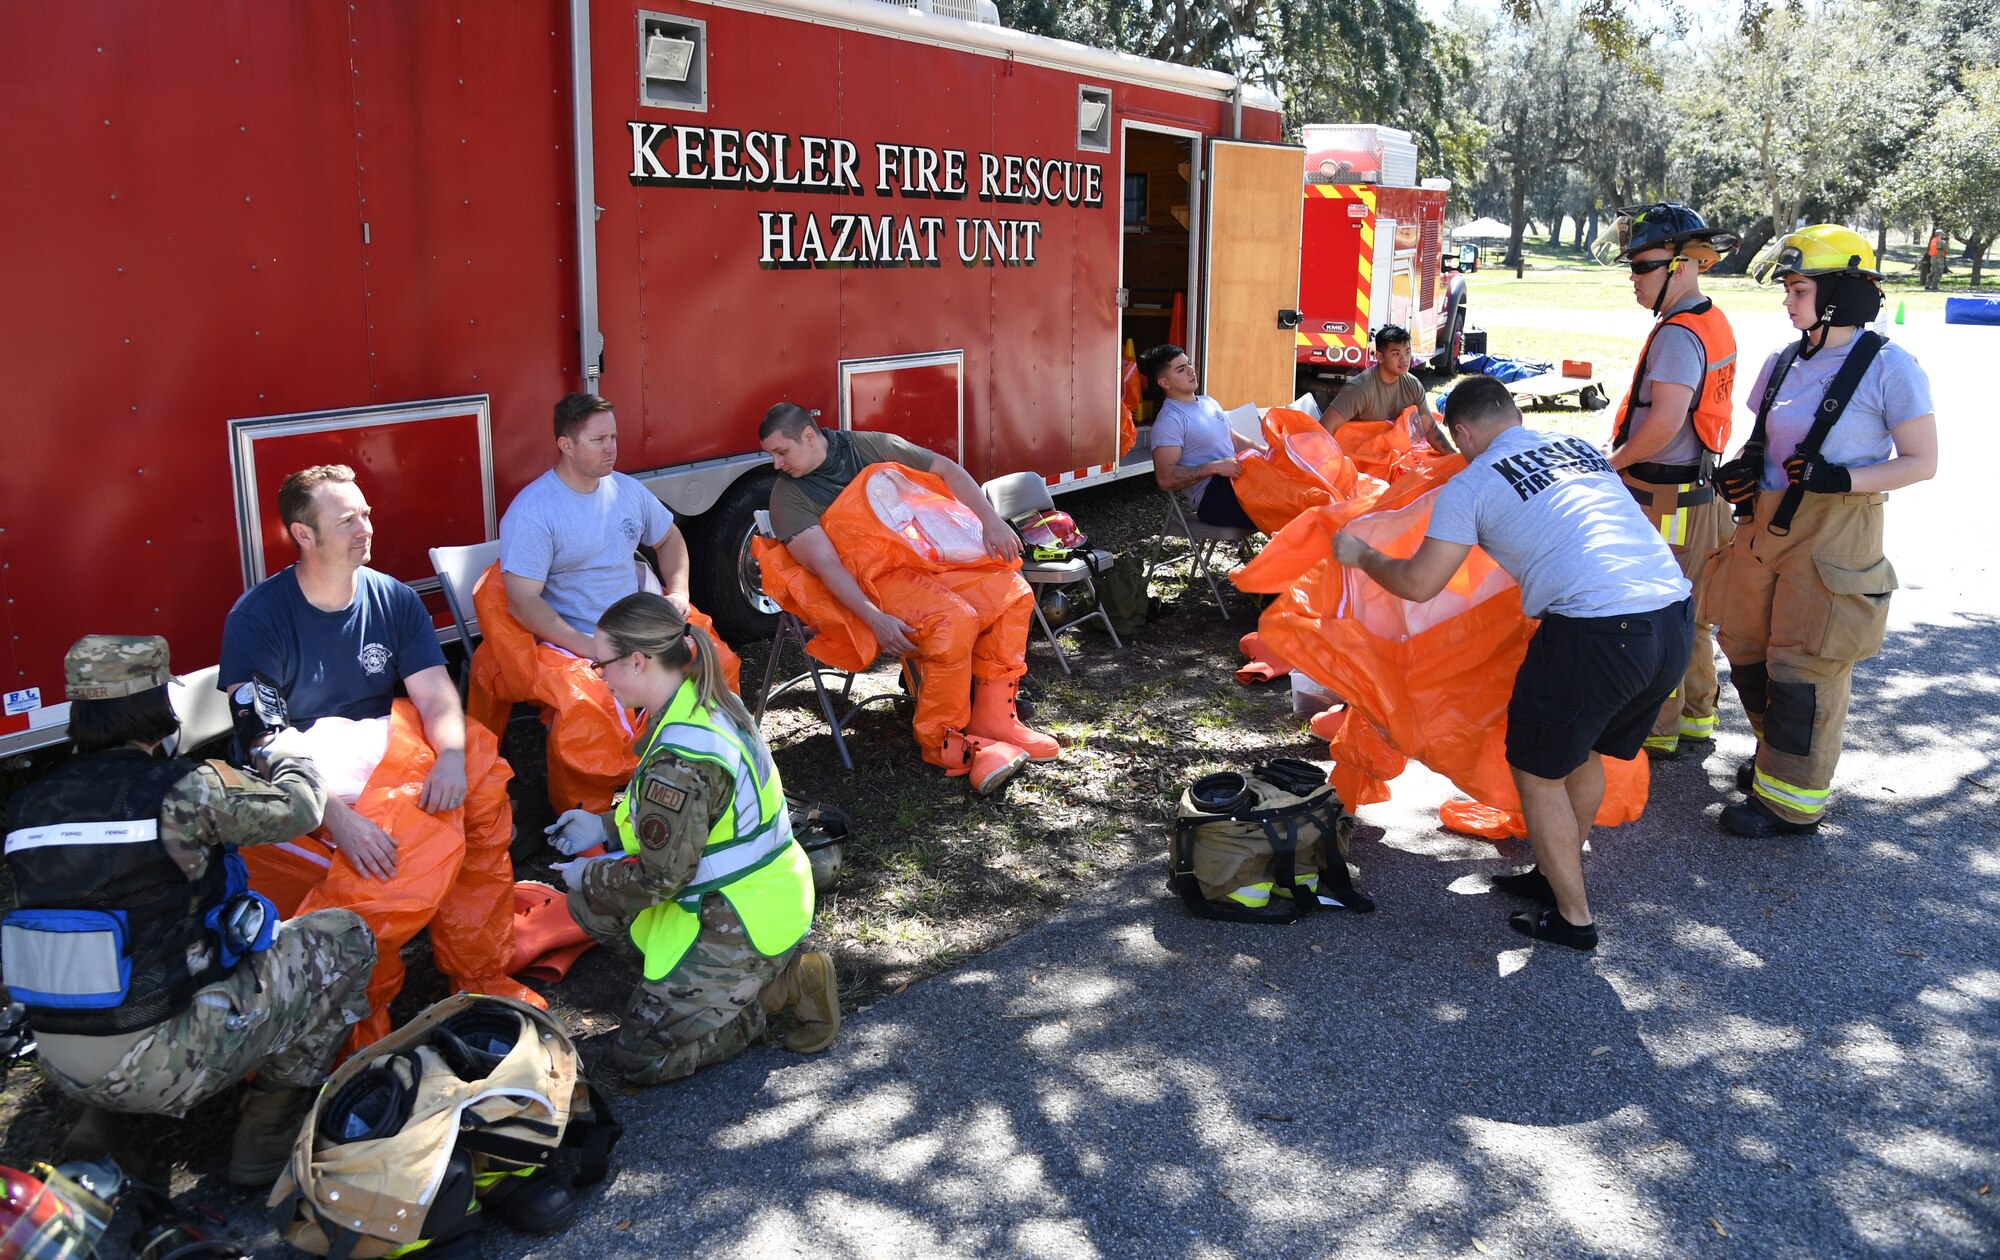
[967,630]
[1385,391]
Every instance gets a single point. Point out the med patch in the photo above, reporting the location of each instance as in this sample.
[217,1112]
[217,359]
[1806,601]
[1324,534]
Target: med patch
[665,795]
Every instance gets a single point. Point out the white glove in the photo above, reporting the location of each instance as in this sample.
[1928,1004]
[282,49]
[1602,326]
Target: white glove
[575,831]
[572,872]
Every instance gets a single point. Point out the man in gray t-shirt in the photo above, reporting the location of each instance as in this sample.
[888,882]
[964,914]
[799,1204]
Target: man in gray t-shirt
[569,541]
[1613,640]
[569,548]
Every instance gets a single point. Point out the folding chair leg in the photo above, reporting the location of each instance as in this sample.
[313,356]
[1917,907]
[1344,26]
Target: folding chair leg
[832,717]
[770,674]
[1204,556]
[1159,541]
[1049,633]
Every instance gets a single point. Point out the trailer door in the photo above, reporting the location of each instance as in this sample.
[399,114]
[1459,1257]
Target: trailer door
[1251,272]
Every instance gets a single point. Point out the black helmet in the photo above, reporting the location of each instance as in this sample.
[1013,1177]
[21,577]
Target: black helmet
[1670,223]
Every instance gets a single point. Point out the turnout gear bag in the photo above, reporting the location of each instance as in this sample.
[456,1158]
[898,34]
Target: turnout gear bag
[1269,846]
[414,1132]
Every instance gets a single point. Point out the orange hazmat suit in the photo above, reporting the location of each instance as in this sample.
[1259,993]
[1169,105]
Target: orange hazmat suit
[921,556]
[453,873]
[1426,681]
[590,735]
[1304,469]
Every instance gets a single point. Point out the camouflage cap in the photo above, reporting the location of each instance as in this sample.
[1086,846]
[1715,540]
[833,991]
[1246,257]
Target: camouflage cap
[106,666]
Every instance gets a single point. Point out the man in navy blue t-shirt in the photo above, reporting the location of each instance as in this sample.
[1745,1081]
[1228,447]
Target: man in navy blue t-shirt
[340,640]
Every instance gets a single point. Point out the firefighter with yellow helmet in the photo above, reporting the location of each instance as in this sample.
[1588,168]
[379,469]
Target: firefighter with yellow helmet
[1843,417]
[1673,424]
[704,882]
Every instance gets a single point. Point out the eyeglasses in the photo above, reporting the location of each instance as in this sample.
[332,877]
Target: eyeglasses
[1650,266]
[601,666]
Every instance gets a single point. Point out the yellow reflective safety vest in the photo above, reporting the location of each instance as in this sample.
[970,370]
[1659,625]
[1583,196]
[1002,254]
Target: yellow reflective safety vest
[750,857]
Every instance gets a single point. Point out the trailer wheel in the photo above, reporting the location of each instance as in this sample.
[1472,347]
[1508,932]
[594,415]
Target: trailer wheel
[725,583]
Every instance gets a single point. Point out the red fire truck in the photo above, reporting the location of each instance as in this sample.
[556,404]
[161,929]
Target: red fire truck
[393,234]
[1373,253]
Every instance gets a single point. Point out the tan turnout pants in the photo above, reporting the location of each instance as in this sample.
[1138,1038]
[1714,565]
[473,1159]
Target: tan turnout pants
[1694,521]
[1794,613]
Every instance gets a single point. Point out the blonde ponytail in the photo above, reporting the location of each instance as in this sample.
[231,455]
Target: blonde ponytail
[650,624]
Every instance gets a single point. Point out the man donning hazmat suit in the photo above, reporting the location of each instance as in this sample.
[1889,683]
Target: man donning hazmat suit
[962,620]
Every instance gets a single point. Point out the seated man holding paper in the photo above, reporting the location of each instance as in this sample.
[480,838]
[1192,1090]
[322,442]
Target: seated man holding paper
[417,818]
[924,562]
[1194,448]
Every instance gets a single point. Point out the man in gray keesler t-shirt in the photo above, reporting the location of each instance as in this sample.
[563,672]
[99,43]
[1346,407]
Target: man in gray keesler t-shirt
[1616,624]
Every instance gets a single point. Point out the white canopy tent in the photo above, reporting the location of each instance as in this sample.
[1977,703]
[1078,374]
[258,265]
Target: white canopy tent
[1487,229]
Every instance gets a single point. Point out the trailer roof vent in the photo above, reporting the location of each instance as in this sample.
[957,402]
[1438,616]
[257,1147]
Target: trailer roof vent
[1093,119]
[964,10]
[673,61]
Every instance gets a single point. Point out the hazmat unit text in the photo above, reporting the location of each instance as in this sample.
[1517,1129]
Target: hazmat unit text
[670,156]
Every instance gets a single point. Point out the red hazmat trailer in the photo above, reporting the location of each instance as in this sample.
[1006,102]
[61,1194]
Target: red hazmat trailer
[392,235]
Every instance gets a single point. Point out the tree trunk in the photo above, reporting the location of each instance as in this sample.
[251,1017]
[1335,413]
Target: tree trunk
[1740,258]
[1881,239]
[1517,216]
[1556,230]
[1977,247]
[1577,220]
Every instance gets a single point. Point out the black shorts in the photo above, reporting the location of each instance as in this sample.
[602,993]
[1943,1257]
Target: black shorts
[1218,505]
[1595,684]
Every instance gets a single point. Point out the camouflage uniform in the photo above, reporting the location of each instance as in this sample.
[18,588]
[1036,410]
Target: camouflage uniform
[281,1013]
[713,1004]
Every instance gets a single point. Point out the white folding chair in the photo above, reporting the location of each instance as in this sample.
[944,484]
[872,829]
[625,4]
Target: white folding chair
[1017,494]
[792,630]
[458,568]
[1202,538]
[203,711]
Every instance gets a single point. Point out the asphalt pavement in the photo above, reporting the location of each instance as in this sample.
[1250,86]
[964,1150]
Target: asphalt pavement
[1781,1048]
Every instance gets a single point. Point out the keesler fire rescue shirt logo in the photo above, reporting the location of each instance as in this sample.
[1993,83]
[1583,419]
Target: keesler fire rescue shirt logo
[374,658]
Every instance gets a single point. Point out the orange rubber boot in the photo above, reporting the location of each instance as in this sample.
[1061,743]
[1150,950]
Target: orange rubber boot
[994,717]
[987,762]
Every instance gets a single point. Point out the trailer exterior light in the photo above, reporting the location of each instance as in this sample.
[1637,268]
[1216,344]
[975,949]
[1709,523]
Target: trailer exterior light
[668,59]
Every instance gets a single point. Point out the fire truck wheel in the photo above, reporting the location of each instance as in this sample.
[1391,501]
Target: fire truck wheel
[1450,345]
[725,583]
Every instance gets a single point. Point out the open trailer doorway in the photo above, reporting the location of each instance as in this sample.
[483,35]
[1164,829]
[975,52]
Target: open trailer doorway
[1160,201]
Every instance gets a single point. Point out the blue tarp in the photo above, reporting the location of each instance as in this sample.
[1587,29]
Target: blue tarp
[1506,371]
[1971,310]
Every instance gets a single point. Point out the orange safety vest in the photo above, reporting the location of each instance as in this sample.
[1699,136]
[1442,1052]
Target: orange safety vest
[1712,402]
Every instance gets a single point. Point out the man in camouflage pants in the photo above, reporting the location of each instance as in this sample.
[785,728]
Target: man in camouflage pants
[125,829]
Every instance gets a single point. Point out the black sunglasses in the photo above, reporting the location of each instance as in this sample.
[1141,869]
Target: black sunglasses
[1650,266]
